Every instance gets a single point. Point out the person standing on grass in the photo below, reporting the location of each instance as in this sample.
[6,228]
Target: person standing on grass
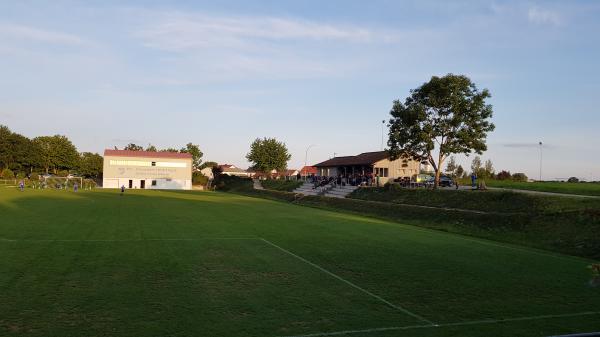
[75,187]
[122,189]
[22,185]
[473,180]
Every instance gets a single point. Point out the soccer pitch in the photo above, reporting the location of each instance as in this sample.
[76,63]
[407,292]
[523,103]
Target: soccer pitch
[157,263]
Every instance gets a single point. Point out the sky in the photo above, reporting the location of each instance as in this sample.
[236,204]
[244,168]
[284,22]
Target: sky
[323,73]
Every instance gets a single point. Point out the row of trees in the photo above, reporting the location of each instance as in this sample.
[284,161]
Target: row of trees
[190,148]
[22,156]
[482,171]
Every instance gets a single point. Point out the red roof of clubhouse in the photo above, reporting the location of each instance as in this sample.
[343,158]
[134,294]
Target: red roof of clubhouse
[147,154]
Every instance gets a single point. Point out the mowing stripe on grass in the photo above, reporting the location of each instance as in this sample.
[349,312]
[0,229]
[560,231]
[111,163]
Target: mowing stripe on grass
[379,298]
[441,325]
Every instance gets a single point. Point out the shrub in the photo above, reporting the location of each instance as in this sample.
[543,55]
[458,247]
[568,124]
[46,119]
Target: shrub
[62,173]
[573,180]
[519,177]
[503,175]
[199,179]
[20,175]
[8,174]
[281,185]
[231,183]
[34,177]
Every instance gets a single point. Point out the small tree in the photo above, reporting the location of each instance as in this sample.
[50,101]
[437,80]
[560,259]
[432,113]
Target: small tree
[133,147]
[151,148]
[503,175]
[476,165]
[573,180]
[460,172]
[448,114]
[208,164]
[519,177]
[451,167]
[8,174]
[194,150]
[268,154]
[488,169]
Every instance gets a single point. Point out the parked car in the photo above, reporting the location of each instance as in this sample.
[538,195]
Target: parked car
[445,181]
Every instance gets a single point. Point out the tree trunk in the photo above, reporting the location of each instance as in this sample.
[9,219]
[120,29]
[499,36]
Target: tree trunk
[436,183]
[438,171]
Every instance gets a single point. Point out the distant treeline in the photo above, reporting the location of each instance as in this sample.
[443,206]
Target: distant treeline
[21,156]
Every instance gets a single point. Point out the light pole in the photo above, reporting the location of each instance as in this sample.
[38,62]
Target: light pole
[540,161]
[306,158]
[382,124]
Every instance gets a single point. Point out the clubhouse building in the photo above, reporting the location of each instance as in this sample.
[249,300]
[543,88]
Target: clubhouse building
[369,164]
[147,170]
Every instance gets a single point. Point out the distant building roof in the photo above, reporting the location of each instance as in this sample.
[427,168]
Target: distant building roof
[230,168]
[147,154]
[306,170]
[367,158]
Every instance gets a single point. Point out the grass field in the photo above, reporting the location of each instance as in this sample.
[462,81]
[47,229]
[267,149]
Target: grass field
[549,186]
[153,263]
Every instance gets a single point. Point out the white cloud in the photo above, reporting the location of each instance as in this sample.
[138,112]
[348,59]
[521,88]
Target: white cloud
[21,32]
[544,16]
[178,32]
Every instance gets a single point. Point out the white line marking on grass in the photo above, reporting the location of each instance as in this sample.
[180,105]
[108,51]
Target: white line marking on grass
[128,240]
[397,307]
[441,325]
[349,332]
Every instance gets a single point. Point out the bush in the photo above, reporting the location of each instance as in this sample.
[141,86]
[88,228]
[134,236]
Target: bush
[281,185]
[62,173]
[8,174]
[224,182]
[34,177]
[199,179]
[503,175]
[573,180]
[519,177]
[21,175]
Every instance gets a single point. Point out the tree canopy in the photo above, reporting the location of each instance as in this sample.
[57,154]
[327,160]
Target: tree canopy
[194,150]
[268,154]
[133,147]
[447,115]
[57,153]
[90,165]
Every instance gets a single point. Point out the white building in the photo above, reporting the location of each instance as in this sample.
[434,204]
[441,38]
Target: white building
[147,170]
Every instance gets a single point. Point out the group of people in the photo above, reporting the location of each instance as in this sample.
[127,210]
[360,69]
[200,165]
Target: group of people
[43,185]
[343,180]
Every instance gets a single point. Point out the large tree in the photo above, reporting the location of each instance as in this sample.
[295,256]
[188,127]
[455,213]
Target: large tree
[268,154]
[57,152]
[17,152]
[447,115]
[90,165]
[194,150]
